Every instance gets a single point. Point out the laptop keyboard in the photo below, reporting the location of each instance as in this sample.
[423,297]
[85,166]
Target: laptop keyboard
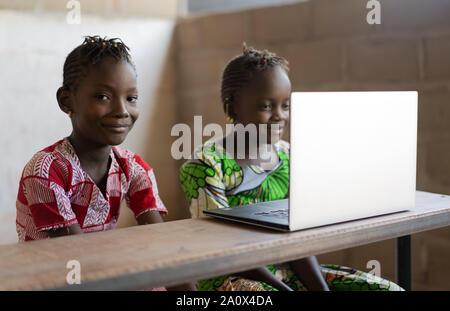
[281,213]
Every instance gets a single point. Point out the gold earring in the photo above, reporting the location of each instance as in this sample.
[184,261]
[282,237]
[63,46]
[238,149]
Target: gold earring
[70,114]
[229,118]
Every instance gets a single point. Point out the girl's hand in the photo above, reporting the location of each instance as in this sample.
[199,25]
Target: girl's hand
[74,229]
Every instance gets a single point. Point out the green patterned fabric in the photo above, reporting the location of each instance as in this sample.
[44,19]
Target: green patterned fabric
[214,180]
[274,187]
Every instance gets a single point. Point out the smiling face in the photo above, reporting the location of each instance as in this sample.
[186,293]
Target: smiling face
[265,100]
[104,106]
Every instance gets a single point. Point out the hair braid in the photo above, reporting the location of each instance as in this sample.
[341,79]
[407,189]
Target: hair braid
[93,50]
[239,71]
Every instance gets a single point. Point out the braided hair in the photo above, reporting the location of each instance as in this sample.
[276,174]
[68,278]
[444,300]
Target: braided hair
[240,70]
[92,51]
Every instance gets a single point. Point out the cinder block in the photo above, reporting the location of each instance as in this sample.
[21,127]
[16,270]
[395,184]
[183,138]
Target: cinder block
[224,30]
[433,167]
[315,62]
[433,170]
[206,104]
[188,34]
[434,112]
[430,253]
[415,15]
[212,31]
[437,165]
[422,179]
[437,57]
[280,23]
[198,70]
[331,18]
[383,59]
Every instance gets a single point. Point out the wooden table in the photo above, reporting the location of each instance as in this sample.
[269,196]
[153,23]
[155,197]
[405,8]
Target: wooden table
[186,250]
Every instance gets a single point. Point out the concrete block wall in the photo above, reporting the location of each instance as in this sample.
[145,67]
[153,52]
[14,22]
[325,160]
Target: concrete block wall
[330,46]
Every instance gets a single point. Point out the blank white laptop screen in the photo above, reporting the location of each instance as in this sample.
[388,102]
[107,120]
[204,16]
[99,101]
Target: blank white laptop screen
[353,155]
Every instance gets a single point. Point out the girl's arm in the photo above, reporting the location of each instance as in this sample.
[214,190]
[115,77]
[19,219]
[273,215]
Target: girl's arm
[149,217]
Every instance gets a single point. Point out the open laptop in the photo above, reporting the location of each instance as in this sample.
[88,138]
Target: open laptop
[352,155]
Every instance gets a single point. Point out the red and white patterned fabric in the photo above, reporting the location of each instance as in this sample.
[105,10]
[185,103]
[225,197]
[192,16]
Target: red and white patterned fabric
[56,192]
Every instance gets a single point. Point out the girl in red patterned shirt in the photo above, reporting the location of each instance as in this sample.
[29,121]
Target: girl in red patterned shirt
[76,185]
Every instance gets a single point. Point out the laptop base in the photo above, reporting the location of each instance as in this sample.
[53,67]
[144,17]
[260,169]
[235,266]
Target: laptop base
[265,214]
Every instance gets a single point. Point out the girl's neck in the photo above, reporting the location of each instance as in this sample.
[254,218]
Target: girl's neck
[89,153]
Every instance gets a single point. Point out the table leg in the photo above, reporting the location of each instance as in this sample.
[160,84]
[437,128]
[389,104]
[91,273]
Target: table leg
[403,261]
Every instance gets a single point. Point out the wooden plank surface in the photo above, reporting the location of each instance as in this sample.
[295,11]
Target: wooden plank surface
[178,251]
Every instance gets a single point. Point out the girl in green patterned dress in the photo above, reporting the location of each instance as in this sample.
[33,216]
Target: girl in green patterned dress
[256,90]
